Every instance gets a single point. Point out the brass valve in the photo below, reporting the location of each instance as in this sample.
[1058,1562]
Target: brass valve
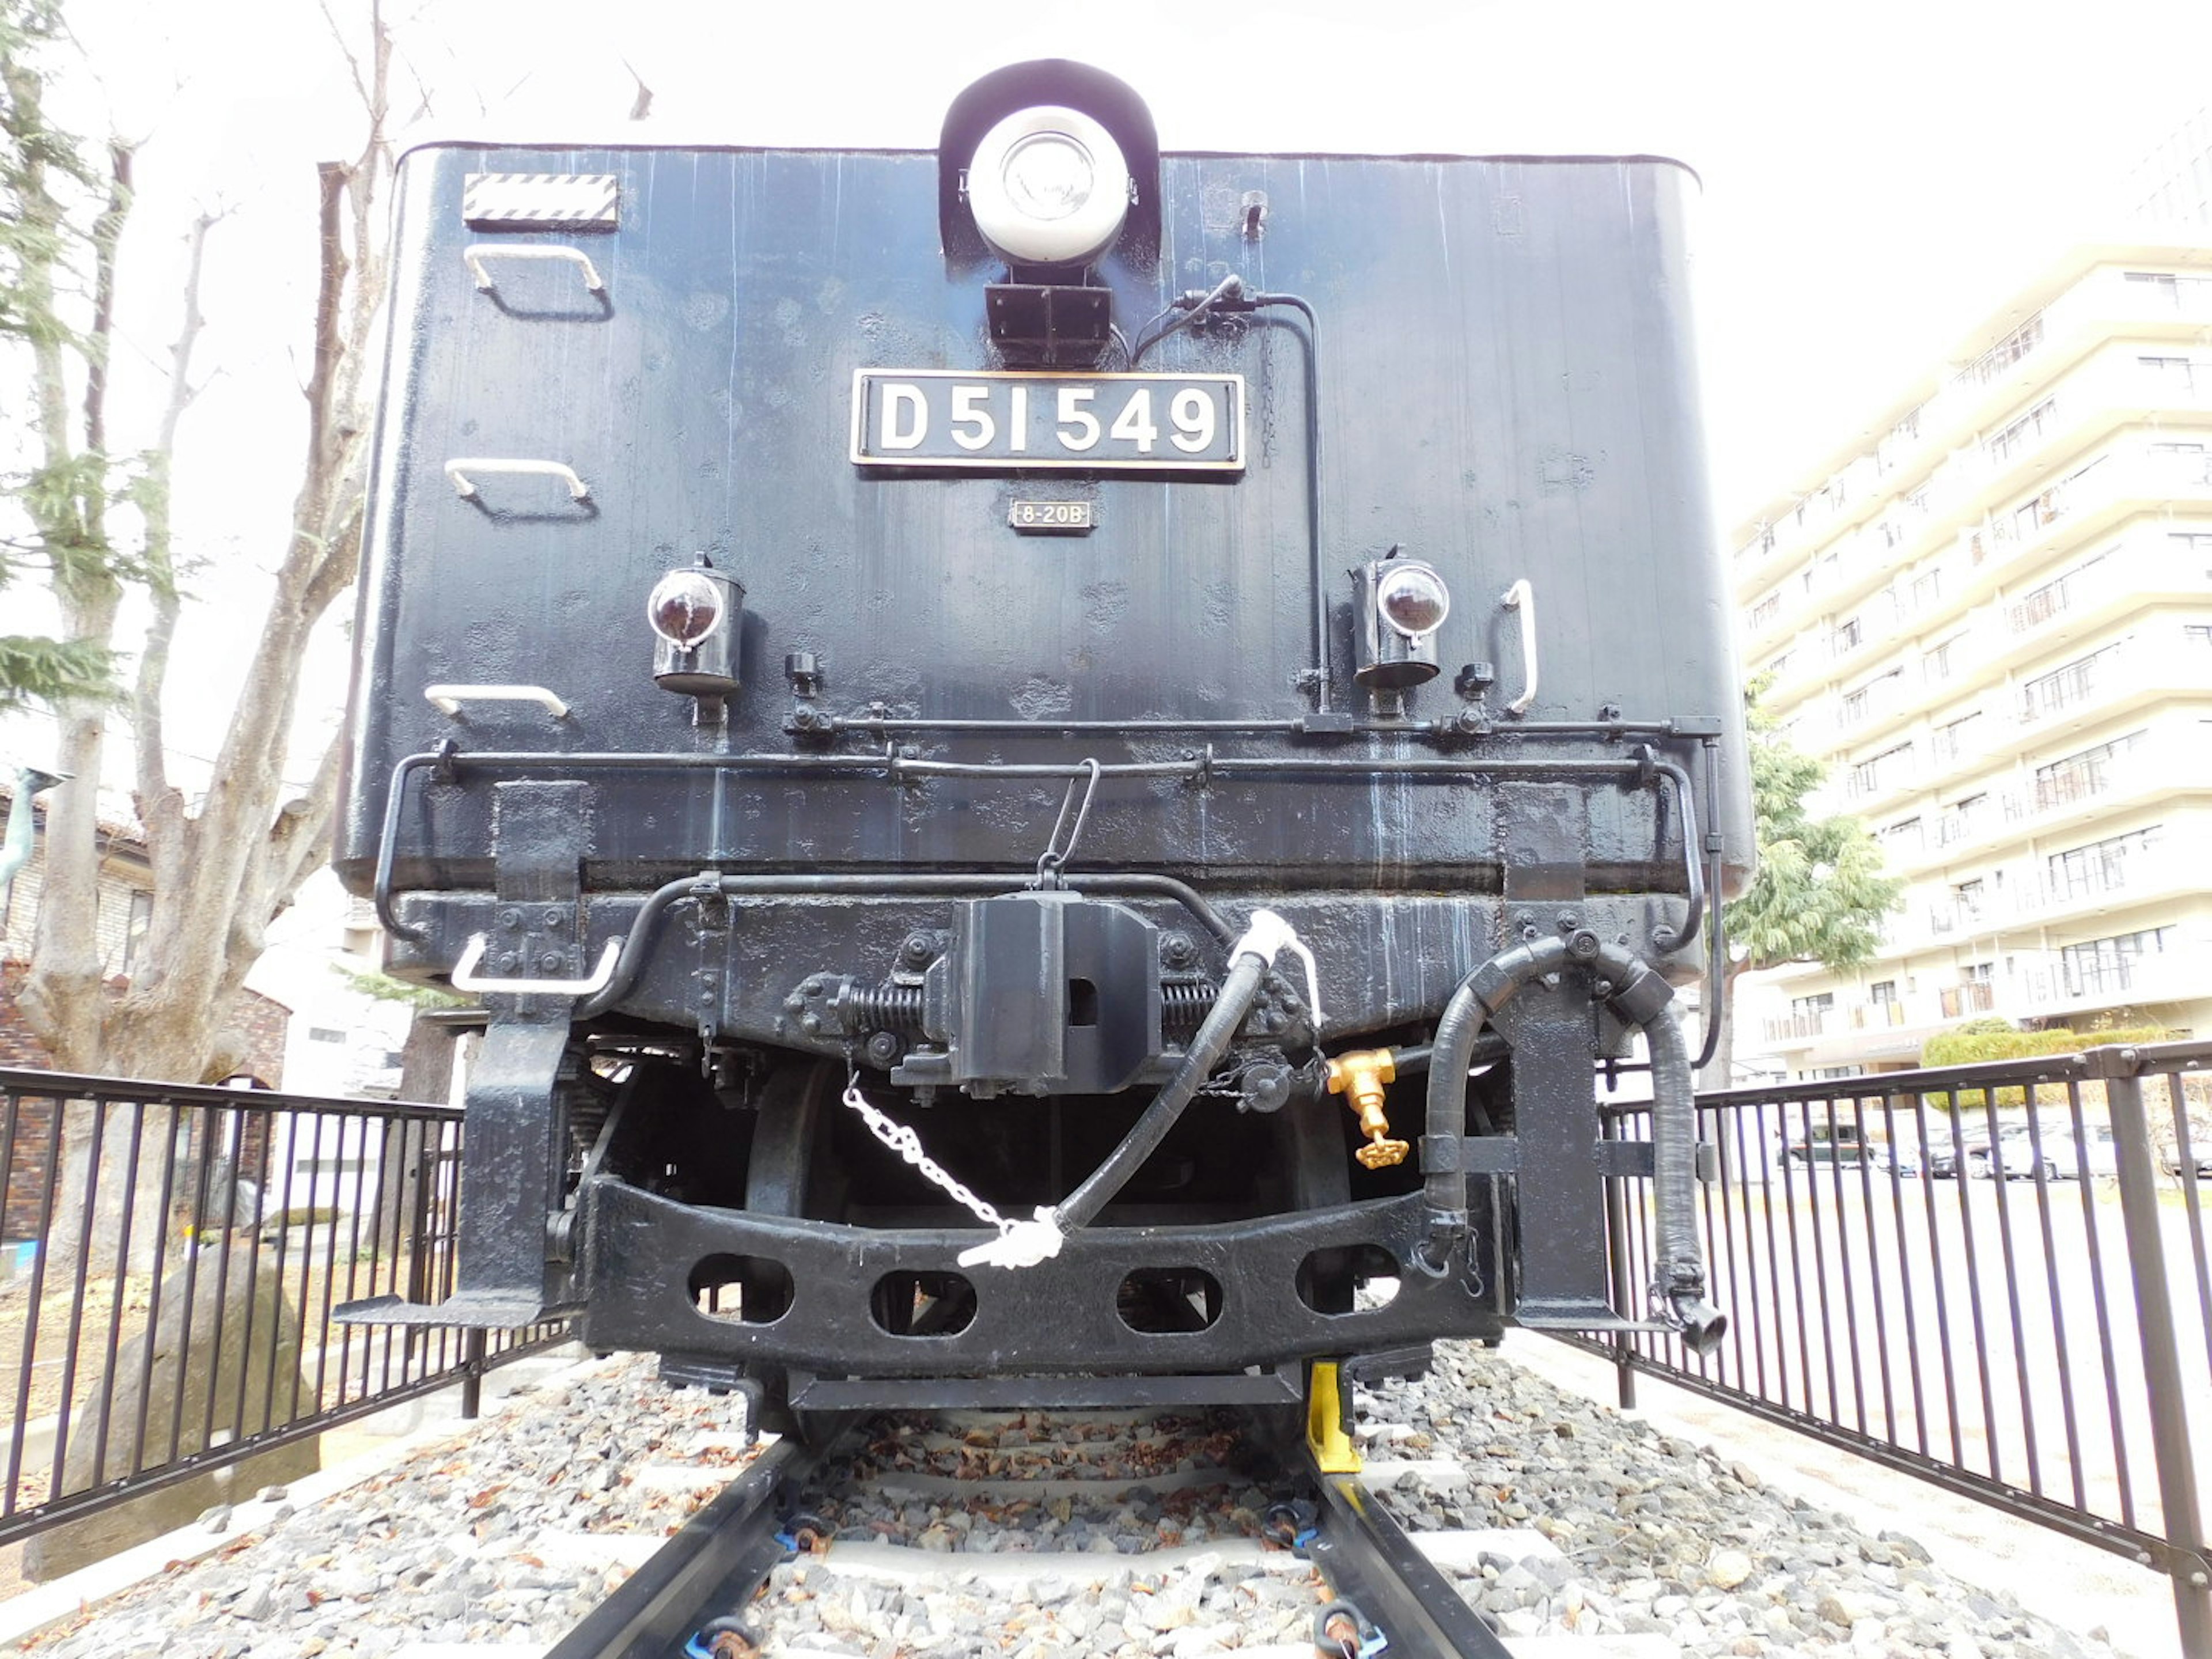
[1361,1075]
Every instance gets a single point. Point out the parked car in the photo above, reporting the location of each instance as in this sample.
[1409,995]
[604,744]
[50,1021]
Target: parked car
[1942,1158]
[2200,1155]
[1844,1147]
[2020,1157]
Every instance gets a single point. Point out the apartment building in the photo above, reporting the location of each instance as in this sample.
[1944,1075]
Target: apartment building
[1991,615]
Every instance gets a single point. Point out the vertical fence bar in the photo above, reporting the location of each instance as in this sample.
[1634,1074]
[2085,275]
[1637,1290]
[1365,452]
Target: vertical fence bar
[472,1375]
[34,1300]
[2182,1520]
[88,1232]
[169,1118]
[125,1227]
[1622,1343]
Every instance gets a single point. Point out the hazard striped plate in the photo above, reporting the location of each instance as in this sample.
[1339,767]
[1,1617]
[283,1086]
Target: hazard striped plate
[541,201]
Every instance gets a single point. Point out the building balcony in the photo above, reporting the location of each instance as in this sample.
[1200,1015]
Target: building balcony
[2052,986]
[1967,999]
[1799,1030]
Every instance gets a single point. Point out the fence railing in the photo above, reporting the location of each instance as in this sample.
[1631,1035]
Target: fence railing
[1994,1277]
[170,1257]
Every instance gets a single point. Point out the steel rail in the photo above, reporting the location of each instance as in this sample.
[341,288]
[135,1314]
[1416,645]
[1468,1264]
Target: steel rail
[712,1567]
[1372,1563]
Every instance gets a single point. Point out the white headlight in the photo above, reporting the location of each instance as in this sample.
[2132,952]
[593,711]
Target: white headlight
[1048,186]
[1412,597]
[685,608]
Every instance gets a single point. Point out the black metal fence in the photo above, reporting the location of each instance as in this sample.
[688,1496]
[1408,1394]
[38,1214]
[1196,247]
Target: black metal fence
[1994,1277]
[169,1261]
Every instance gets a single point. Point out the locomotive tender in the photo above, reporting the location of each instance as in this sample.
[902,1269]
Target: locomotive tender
[1048,757]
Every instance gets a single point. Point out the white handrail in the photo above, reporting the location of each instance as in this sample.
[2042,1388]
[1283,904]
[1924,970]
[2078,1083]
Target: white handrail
[1521,596]
[476,252]
[461,481]
[448,699]
[465,977]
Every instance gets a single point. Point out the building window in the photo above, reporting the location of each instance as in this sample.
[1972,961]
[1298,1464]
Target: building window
[2012,440]
[325,1034]
[134,930]
[1962,820]
[1927,588]
[2100,867]
[1904,835]
[2039,604]
[1872,776]
[1956,738]
[2005,353]
[1814,1006]
[2068,687]
[2079,777]
[2198,635]
[1847,636]
[2098,967]
[2164,291]
[1935,661]
[2173,374]
[1968,897]
[1766,611]
[1882,991]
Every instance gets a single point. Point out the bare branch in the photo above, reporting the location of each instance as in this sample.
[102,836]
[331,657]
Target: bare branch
[106,234]
[154,507]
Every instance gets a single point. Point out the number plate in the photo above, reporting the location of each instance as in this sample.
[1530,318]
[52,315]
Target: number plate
[997,421]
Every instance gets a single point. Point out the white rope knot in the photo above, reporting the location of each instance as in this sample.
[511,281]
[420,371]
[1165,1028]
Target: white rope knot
[1020,1243]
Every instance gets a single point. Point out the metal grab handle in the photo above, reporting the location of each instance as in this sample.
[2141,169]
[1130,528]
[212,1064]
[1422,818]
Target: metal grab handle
[478,252]
[577,487]
[1522,598]
[466,979]
[448,699]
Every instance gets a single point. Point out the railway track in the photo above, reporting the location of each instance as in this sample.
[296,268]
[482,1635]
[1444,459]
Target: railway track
[1237,1505]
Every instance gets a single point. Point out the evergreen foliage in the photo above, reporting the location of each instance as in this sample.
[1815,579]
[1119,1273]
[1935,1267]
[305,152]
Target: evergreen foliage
[1820,894]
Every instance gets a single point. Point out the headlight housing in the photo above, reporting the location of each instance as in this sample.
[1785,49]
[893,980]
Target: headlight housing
[1398,605]
[1048,186]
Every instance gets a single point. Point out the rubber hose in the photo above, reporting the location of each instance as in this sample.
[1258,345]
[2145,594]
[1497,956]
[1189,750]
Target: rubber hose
[1678,1283]
[1212,1041]
[1451,1052]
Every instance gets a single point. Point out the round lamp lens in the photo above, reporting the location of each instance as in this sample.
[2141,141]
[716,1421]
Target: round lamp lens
[685,608]
[1412,600]
[1050,175]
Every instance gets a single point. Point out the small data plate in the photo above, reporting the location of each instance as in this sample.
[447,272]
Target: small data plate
[1053,518]
[541,201]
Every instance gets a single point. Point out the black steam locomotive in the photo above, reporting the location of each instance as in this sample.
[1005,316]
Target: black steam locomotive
[1058,765]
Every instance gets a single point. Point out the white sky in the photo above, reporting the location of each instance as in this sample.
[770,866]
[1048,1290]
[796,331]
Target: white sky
[1877,174]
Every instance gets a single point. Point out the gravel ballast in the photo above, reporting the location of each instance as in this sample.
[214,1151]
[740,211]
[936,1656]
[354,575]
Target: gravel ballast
[502,1539]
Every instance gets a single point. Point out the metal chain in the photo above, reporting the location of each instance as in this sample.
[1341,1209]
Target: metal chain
[901,1140]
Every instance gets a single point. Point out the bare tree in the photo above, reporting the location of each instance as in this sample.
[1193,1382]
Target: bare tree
[226,864]
[223,866]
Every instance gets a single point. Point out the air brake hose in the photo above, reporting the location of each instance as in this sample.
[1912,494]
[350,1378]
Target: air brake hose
[1639,996]
[1081,1207]
[1027,1242]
